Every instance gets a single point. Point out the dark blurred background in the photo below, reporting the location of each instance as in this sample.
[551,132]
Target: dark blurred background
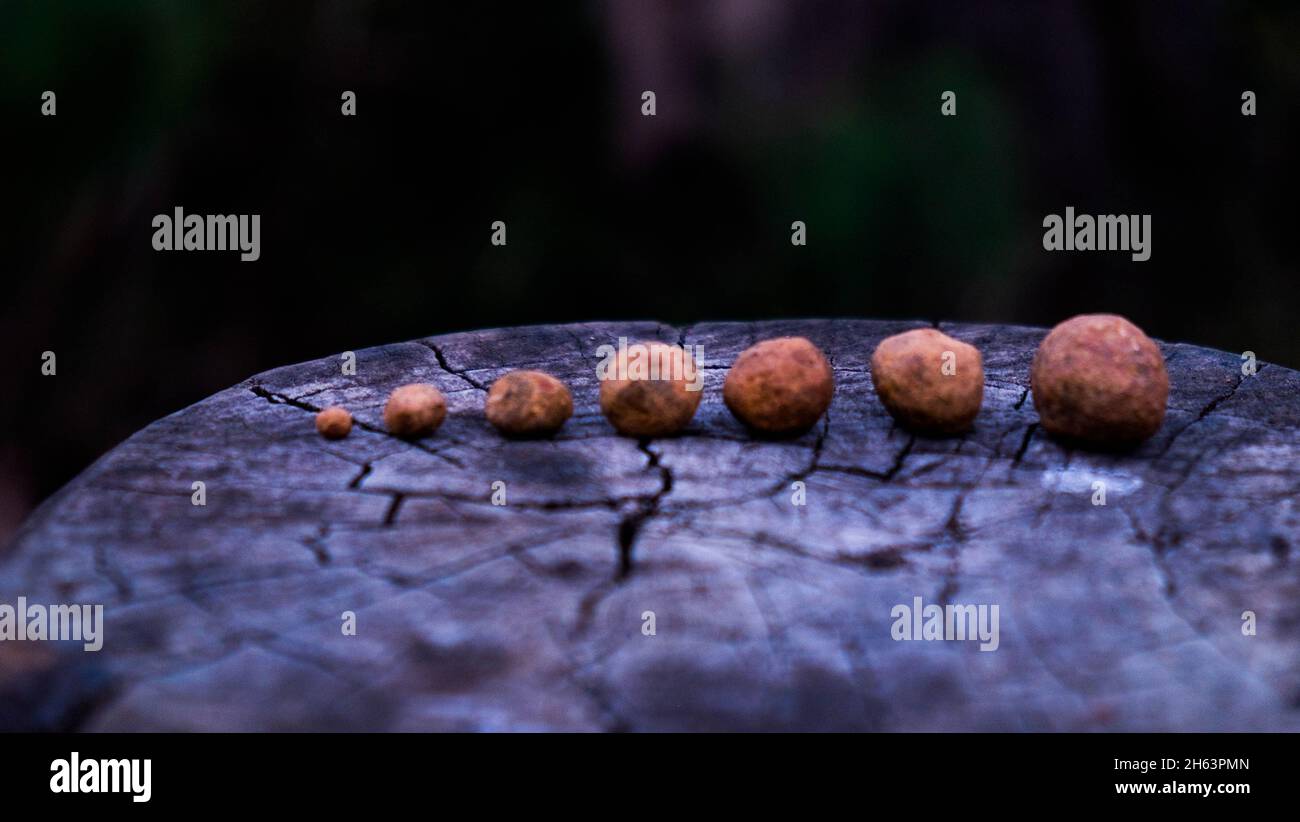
[376,228]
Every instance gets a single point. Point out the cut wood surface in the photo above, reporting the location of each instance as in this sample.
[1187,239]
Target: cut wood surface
[766,614]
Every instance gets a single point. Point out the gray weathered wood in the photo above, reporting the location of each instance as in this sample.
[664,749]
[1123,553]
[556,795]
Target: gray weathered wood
[768,615]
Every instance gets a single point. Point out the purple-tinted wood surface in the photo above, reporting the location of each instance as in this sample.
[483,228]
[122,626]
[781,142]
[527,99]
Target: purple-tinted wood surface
[767,615]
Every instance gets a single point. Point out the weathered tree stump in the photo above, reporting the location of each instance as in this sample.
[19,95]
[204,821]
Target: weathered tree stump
[767,615]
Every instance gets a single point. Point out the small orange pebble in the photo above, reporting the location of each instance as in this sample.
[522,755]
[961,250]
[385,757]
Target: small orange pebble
[415,410]
[528,403]
[334,423]
[653,391]
[928,381]
[779,386]
[1100,379]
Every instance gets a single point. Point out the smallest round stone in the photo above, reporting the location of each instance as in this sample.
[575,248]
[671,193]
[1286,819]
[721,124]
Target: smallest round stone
[415,410]
[334,423]
[528,404]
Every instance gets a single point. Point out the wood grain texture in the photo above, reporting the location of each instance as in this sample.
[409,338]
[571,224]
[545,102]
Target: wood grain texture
[768,616]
